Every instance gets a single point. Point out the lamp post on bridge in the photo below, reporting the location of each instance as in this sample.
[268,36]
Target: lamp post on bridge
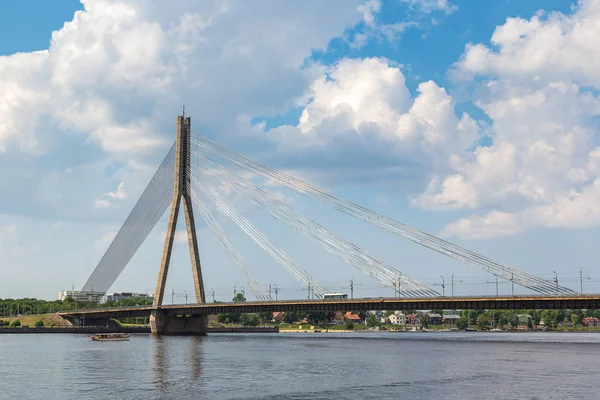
[212,291]
[556,280]
[276,290]
[581,279]
[496,284]
[453,284]
[512,281]
[443,287]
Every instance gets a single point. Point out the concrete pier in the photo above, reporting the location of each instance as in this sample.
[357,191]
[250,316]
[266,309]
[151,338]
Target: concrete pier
[163,324]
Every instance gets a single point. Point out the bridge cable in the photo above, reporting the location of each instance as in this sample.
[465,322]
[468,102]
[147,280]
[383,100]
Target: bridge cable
[279,255]
[348,252]
[143,217]
[441,246]
[239,262]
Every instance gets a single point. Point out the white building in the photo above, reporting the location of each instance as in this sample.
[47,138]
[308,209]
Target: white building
[129,295]
[397,318]
[80,296]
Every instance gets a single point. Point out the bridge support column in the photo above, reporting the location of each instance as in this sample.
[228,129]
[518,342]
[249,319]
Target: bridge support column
[163,324]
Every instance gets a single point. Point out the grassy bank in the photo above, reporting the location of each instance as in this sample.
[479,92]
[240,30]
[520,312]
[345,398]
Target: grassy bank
[47,319]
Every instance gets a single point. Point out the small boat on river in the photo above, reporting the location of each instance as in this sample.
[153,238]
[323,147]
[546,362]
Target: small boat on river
[110,337]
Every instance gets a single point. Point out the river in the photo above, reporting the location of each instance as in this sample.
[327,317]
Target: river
[299,366]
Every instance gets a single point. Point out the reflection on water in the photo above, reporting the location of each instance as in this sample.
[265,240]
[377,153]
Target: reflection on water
[165,347]
[317,366]
[159,360]
[196,356]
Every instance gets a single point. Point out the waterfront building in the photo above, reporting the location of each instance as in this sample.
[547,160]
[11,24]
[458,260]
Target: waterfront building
[80,296]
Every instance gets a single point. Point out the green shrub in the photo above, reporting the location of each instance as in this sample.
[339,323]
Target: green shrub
[39,323]
[15,323]
[2,323]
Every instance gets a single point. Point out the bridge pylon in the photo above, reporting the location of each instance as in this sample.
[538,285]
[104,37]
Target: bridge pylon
[160,322]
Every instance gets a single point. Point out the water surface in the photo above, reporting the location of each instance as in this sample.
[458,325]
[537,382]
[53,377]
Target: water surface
[298,366]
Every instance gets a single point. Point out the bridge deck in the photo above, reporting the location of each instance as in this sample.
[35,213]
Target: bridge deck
[591,301]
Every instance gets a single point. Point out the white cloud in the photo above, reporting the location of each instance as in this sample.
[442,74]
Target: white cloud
[428,6]
[104,95]
[180,236]
[538,85]
[359,117]
[101,203]
[103,243]
[119,193]
[551,47]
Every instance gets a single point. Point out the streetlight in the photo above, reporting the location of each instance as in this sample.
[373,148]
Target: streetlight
[556,280]
[453,284]
[443,286]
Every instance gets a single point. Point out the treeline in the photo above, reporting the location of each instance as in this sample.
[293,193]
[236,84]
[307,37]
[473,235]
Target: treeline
[319,318]
[27,306]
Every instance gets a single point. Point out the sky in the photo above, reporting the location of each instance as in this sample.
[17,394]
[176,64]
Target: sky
[474,121]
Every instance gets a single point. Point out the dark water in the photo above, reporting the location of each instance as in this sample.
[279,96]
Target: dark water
[301,366]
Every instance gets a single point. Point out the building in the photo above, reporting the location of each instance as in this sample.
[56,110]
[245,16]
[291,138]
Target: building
[523,319]
[413,319]
[277,316]
[451,319]
[435,318]
[591,321]
[129,295]
[397,318]
[352,317]
[80,296]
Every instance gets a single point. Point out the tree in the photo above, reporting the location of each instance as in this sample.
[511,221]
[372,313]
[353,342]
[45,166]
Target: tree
[462,323]
[1,323]
[576,318]
[502,321]
[239,298]
[348,325]
[483,322]
[250,320]
[265,317]
[529,323]
[15,323]
[38,323]
[290,317]
[372,322]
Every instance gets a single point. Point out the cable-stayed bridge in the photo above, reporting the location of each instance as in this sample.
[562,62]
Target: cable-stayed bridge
[188,175]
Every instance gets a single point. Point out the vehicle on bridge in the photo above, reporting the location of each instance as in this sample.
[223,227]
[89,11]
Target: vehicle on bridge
[335,296]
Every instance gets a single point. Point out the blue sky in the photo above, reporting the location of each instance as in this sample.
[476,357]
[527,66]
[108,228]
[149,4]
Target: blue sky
[472,120]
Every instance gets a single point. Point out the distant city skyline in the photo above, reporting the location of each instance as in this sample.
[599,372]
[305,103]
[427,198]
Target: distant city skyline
[474,121]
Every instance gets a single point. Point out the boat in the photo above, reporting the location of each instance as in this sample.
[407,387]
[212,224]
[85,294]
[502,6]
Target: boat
[110,337]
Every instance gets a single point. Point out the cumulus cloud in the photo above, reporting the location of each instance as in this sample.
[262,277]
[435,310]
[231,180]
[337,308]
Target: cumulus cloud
[360,118]
[103,96]
[119,193]
[551,46]
[538,86]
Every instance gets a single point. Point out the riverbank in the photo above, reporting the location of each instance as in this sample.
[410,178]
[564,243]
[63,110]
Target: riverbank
[125,329]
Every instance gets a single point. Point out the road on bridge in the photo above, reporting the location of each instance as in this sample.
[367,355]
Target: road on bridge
[591,301]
